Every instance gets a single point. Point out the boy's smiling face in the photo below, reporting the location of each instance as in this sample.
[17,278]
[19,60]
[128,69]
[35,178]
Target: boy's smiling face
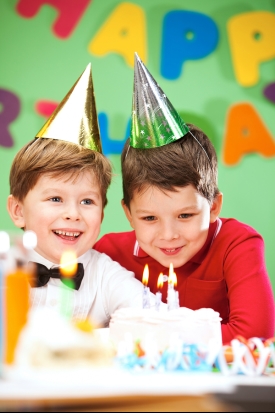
[171,226]
[63,212]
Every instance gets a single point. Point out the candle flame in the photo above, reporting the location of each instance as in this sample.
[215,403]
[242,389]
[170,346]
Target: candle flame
[175,280]
[145,277]
[68,264]
[160,281]
[171,274]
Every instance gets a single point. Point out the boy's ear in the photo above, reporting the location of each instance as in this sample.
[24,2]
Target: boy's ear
[15,209]
[216,207]
[127,213]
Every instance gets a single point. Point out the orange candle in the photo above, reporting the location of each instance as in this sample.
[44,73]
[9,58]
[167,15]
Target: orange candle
[16,299]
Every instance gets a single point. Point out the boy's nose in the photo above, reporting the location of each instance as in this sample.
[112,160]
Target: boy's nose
[169,232]
[71,212]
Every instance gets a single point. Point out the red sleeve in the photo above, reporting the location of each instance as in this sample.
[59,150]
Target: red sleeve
[250,294]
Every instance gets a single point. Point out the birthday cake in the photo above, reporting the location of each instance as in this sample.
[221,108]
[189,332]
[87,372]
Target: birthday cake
[52,341]
[202,327]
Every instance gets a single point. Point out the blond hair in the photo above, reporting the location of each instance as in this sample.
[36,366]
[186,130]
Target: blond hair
[56,158]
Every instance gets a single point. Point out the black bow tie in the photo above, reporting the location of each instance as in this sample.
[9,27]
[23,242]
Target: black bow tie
[43,275]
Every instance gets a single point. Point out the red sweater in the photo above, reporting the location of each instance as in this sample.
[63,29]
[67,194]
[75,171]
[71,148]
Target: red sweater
[228,274]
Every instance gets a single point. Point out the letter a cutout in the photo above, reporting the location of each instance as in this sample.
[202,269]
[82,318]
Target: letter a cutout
[246,133]
[124,32]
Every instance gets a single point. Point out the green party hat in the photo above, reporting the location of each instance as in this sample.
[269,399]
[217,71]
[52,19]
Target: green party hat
[75,119]
[155,122]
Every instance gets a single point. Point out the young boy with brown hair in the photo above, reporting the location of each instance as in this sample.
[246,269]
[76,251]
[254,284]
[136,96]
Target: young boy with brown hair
[172,201]
[58,186]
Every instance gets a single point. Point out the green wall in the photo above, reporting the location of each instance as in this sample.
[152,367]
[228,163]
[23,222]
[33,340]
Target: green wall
[35,64]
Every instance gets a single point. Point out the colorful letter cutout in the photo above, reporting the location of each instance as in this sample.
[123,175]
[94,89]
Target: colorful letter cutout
[9,110]
[269,92]
[124,32]
[110,146]
[246,133]
[69,13]
[45,107]
[251,37]
[187,35]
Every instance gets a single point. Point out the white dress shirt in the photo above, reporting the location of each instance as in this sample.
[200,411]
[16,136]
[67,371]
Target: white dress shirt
[106,286]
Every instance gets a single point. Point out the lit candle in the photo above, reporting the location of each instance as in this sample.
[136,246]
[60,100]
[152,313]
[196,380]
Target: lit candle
[177,300]
[68,268]
[158,293]
[175,283]
[146,289]
[172,295]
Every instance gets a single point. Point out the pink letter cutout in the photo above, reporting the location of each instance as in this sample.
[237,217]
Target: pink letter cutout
[70,12]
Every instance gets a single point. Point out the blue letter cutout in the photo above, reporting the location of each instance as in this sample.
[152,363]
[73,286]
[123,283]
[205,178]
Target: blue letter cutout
[110,146]
[187,35]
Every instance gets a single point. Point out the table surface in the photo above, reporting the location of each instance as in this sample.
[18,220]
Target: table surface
[114,389]
[109,382]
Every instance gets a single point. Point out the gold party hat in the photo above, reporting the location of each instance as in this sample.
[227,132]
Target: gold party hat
[75,119]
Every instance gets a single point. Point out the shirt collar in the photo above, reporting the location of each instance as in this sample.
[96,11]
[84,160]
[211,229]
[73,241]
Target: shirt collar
[34,256]
[214,229]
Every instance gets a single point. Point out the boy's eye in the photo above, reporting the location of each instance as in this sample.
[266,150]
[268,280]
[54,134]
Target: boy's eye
[55,199]
[87,202]
[185,216]
[150,218]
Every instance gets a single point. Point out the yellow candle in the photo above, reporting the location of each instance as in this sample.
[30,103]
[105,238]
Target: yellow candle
[16,309]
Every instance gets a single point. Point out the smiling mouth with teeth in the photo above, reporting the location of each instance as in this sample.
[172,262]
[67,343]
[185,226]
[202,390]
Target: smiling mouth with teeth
[65,234]
[171,250]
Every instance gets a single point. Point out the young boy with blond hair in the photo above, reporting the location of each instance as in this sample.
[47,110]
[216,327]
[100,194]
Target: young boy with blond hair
[172,201]
[58,186]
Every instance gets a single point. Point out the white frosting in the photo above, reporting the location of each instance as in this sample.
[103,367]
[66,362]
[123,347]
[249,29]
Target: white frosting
[49,340]
[152,316]
[193,327]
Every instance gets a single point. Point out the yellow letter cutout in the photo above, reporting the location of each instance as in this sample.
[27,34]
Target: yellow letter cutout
[124,32]
[252,41]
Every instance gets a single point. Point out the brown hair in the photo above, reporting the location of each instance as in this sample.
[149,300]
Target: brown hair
[177,164]
[56,158]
